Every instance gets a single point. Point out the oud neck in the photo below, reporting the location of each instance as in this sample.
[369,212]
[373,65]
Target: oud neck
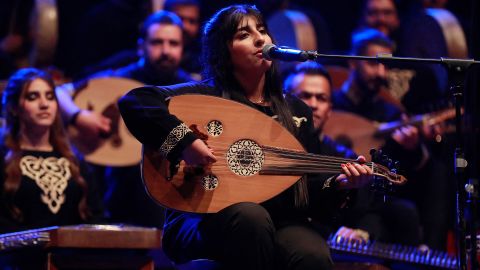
[386,129]
[417,120]
[280,161]
[283,161]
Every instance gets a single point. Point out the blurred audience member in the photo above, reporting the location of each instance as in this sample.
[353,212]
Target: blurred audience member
[392,221]
[428,185]
[189,12]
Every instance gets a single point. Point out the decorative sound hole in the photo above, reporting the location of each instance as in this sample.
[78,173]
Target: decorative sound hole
[245,158]
[210,182]
[214,128]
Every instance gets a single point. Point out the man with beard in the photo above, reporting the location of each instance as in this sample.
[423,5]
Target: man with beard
[160,48]
[361,94]
[189,12]
[415,33]
[381,15]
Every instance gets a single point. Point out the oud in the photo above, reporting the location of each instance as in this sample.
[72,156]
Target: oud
[257,158]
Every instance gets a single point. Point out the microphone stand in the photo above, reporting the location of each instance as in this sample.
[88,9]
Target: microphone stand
[457,71]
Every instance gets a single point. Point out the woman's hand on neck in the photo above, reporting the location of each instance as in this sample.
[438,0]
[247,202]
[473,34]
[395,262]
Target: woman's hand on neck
[35,138]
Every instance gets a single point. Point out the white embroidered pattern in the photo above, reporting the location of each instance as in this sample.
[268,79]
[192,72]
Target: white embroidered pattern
[173,138]
[328,183]
[51,175]
[298,120]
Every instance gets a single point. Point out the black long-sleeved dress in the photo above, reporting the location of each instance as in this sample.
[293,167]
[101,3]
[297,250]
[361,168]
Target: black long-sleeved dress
[146,115]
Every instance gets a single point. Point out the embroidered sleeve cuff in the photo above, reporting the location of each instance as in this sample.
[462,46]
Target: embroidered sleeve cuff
[173,138]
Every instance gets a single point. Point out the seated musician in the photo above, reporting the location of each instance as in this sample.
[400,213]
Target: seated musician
[275,234]
[393,220]
[362,94]
[43,182]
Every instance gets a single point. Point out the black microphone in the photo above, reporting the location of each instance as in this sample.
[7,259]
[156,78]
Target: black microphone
[271,52]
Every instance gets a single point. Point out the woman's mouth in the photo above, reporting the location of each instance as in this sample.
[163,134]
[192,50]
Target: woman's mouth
[43,115]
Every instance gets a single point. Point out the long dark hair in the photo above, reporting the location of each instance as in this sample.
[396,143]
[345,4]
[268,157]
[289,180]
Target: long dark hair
[217,33]
[18,83]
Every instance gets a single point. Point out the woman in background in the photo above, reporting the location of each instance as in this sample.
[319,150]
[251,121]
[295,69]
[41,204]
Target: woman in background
[42,181]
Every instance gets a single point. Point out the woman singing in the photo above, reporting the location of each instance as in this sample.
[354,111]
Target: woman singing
[275,234]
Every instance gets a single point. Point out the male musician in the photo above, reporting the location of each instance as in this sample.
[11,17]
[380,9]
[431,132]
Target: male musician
[393,221]
[189,12]
[381,15]
[415,33]
[361,94]
[160,47]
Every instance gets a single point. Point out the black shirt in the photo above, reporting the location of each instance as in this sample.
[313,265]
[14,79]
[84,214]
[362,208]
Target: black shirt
[145,113]
[48,195]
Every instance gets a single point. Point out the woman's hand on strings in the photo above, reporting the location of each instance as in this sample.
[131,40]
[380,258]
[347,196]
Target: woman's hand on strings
[198,154]
[355,174]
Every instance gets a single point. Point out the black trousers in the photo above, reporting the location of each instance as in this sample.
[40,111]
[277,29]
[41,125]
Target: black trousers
[243,236]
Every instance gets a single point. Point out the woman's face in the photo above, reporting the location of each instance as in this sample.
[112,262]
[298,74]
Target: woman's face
[247,44]
[38,106]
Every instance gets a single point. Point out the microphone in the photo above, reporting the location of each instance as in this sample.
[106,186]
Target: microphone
[271,52]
